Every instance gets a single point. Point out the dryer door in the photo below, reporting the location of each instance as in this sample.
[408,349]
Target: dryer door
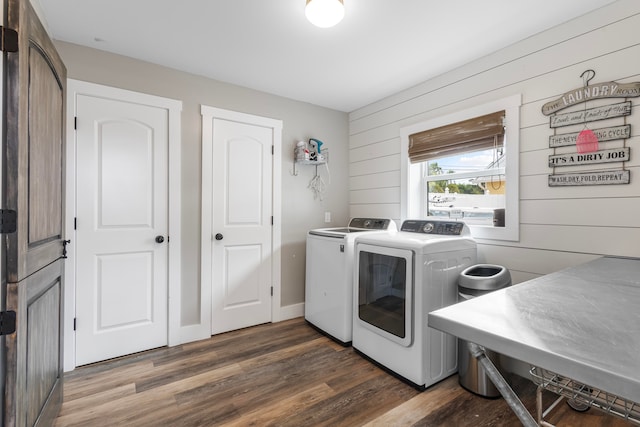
[384,280]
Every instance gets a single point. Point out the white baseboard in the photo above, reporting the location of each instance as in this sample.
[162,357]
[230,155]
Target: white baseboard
[191,333]
[289,312]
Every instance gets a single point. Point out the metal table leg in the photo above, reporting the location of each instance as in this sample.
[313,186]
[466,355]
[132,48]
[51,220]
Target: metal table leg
[501,384]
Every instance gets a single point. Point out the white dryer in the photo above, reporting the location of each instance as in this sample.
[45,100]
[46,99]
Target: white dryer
[329,275]
[399,278]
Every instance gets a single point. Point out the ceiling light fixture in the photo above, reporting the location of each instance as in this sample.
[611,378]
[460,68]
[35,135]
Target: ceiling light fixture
[324,13]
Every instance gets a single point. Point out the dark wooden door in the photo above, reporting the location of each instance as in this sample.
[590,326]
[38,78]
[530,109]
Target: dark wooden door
[33,186]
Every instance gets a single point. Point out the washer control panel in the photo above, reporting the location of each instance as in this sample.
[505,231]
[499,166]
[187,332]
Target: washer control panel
[370,223]
[428,226]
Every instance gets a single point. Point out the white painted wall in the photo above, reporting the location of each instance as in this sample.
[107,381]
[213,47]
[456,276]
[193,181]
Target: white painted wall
[559,227]
[301,121]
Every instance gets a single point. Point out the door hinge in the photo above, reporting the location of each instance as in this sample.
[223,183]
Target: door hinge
[271,219]
[75,223]
[8,221]
[272,291]
[74,323]
[273,150]
[9,41]
[75,123]
[7,322]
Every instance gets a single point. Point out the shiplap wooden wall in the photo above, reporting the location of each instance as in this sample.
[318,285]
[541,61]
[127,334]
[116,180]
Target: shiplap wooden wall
[559,227]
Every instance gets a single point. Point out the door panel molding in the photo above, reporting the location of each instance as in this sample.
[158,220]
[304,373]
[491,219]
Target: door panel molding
[36,300]
[177,333]
[209,114]
[38,73]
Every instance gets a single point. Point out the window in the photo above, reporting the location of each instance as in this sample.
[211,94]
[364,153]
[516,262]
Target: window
[464,166]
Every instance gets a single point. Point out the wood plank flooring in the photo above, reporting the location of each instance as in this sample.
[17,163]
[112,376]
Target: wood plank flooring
[281,374]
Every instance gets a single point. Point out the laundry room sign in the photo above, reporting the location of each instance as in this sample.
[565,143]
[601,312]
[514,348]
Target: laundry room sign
[576,146]
[586,93]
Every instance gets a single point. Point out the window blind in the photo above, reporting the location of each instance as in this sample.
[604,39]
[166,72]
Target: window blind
[478,133]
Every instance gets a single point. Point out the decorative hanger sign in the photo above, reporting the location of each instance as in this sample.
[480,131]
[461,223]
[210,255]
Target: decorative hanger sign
[587,93]
[587,141]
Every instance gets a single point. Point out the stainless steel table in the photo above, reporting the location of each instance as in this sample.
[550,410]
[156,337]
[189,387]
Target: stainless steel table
[577,327]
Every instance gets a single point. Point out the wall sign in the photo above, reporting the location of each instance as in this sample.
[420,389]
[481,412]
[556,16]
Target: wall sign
[602,156]
[586,93]
[603,134]
[588,150]
[591,115]
[590,178]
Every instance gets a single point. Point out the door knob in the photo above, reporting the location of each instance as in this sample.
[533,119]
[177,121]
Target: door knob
[159,239]
[219,236]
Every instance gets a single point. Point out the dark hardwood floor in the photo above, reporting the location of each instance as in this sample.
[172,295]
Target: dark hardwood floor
[282,374]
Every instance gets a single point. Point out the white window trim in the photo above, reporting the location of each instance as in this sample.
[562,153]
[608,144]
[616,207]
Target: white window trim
[410,176]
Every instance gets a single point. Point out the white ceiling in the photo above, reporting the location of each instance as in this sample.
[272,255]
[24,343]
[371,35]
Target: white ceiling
[380,48]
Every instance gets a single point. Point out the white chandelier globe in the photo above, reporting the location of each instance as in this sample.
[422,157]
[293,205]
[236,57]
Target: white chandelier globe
[324,13]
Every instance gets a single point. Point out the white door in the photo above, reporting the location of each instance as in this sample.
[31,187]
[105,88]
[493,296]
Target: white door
[241,223]
[122,223]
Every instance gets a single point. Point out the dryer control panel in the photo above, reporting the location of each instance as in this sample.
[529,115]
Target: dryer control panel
[427,226]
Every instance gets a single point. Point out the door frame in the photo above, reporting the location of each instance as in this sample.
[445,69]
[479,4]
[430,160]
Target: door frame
[3,282]
[206,281]
[174,108]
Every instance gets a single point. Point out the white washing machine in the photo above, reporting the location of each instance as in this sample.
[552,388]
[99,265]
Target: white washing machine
[399,278]
[329,275]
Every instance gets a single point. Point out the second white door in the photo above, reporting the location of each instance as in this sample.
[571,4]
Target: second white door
[241,224]
[122,223]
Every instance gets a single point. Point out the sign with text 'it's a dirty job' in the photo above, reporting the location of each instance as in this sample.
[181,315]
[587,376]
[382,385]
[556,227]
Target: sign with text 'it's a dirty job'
[603,156]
